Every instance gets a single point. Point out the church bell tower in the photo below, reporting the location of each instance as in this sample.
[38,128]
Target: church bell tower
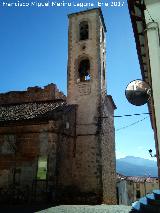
[86,55]
[94,161]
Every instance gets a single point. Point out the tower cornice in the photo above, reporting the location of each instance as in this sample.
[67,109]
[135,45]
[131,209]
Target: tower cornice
[90,10]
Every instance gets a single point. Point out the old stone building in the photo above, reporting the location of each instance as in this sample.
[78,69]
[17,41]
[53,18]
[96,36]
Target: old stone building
[132,188]
[63,149]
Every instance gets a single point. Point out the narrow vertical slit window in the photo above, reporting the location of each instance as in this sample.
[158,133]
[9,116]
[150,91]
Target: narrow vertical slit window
[42,168]
[138,194]
[103,70]
[16,176]
[102,35]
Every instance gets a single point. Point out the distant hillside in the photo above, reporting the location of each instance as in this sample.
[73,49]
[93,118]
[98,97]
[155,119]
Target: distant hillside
[135,166]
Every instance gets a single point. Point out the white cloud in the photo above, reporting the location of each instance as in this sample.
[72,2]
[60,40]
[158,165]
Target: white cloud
[120,154]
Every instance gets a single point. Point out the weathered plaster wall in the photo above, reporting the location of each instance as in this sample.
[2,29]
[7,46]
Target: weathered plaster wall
[108,152]
[20,147]
[153,43]
[65,154]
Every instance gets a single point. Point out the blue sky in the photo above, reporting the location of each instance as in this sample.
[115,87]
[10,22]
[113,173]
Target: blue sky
[33,51]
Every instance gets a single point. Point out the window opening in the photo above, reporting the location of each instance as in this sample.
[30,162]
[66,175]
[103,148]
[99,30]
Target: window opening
[9,145]
[84,70]
[103,70]
[67,125]
[42,168]
[16,176]
[84,30]
[138,194]
[102,35]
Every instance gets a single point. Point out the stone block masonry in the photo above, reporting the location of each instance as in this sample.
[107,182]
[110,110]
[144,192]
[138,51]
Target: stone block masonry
[48,93]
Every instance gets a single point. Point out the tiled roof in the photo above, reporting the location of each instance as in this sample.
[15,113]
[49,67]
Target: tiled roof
[137,179]
[27,111]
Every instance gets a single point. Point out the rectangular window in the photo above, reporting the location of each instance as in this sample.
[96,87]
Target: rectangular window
[42,168]
[138,194]
[17,176]
[8,145]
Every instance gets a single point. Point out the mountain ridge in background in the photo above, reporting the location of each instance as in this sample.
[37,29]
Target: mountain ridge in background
[136,166]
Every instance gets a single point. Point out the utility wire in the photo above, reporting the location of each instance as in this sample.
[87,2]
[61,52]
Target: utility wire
[128,115]
[119,116]
[124,127]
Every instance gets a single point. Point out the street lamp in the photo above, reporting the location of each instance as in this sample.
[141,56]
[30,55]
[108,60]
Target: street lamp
[150,152]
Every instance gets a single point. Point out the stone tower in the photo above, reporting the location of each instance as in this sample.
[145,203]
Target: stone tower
[93,169]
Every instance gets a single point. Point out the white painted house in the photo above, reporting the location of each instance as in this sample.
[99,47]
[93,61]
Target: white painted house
[145,18]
